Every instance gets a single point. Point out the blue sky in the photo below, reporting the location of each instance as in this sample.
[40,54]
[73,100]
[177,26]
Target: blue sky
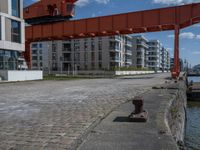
[189,37]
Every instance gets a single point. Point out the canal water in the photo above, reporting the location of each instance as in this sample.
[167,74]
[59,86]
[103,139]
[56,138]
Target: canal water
[192,137]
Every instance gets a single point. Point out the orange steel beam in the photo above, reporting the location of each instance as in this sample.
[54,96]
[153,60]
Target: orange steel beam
[171,18]
[128,23]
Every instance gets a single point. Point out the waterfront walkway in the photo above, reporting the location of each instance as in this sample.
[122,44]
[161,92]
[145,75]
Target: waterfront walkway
[116,132]
[58,115]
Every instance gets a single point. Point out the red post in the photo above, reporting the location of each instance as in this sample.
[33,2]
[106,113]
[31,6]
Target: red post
[176,67]
[28,54]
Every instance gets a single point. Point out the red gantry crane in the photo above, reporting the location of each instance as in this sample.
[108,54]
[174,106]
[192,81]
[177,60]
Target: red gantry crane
[49,20]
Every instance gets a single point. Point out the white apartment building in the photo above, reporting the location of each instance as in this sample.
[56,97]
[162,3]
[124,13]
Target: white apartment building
[165,59]
[11,33]
[155,55]
[140,51]
[98,53]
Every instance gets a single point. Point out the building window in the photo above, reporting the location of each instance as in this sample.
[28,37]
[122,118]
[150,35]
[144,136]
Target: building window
[54,47]
[9,60]
[34,51]
[0,27]
[16,8]
[15,31]
[93,56]
[35,64]
[40,51]
[100,56]
[34,45]
[100,45]
[100,65]
[40,45]
[34,58]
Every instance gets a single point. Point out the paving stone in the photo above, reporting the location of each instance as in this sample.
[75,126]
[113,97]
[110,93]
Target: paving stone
[53,115]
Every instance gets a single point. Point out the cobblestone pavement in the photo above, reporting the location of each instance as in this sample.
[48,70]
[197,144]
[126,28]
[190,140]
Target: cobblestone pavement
[55,115]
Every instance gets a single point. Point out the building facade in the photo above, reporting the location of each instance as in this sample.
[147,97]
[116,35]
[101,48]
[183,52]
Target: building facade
[165,63]
[11,34]
[155,55]
[140,51]
[98,53]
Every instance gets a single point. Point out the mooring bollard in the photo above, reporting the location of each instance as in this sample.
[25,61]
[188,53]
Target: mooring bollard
[139,115]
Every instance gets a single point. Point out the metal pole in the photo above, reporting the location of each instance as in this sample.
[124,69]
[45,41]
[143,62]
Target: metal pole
[68,69]
[61,67]
[176,68]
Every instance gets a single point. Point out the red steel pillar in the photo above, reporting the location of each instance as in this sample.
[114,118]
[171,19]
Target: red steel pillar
[176,67]
[28,54]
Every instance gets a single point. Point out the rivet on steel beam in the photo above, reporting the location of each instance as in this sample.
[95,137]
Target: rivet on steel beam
[117,32]
[130,29]
[139,114]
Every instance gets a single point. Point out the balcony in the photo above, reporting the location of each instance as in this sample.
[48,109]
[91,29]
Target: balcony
[117,59]
[114,48]
[66,59]
[128,60]
[128,43]
[114,38]
[67,50]
[143,44]
[128,52]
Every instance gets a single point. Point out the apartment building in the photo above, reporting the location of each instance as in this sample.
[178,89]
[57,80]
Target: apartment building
[165,63]
[155,55]
[11,34]
[140,51]
[180,63]
[98,53]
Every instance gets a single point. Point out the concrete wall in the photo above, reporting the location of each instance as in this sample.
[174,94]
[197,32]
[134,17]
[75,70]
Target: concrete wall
[100,72]
[171,116]
[3,74]
[21,75]
[132,72]
[176,113]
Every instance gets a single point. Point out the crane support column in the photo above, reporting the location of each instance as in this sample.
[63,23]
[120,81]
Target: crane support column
[176,67]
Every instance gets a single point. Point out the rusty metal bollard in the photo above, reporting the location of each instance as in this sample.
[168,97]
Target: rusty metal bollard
[139,115]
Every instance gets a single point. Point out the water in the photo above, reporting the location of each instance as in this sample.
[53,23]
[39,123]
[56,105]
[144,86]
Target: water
[195,79]
[192,138]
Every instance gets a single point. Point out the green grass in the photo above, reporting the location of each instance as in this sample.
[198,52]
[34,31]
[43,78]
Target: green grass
[53,77]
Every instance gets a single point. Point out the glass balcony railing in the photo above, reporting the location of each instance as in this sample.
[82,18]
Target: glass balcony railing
[128,43]
[66,59]
[115,48]
[67,49]
[129,60]
[114,58]
[128,52]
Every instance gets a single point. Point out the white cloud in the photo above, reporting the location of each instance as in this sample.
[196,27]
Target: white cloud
[186,35]
[82,3]
[198,37]
[170,36]
[174,2]
[168,2]
[102,1]
[196,25]
[169,49]
[196,52]
[93,15]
